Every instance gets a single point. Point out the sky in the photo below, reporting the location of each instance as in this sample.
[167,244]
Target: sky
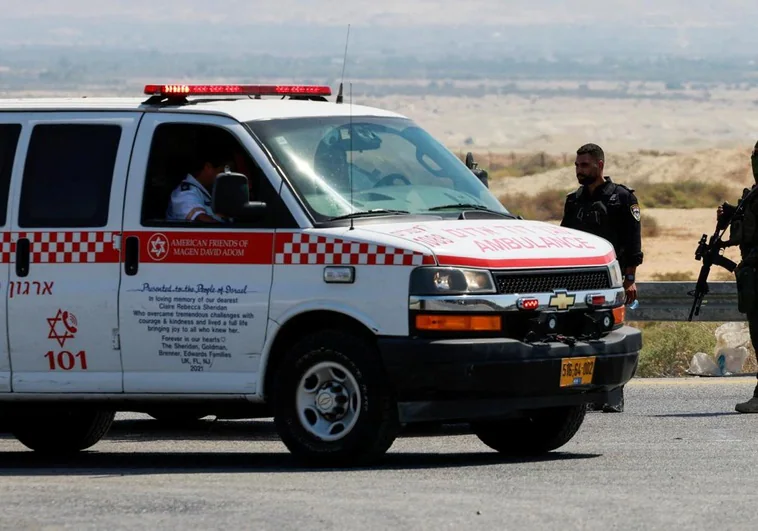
[395,12]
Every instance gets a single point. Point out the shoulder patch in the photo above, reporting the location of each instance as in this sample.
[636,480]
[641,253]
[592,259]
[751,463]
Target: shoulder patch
[635,209]
[184,187]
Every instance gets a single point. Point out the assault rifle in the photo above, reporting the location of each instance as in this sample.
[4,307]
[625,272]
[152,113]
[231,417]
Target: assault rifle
[709,251]
[481,174]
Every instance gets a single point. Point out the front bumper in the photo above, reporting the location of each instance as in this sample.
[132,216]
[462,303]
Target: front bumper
[468,379]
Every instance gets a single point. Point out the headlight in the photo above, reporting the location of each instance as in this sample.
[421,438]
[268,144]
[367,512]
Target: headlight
[451,281]
[617,279]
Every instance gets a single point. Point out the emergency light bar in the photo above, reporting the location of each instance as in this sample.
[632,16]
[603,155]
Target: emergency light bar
[238,90]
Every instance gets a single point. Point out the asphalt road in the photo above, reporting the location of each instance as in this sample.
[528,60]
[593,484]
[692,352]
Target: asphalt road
[679,457]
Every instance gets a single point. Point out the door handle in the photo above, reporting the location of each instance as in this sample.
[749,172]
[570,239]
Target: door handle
[131,256]
[22,257]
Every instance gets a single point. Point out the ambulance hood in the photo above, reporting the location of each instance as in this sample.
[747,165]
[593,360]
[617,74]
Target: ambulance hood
[506,244]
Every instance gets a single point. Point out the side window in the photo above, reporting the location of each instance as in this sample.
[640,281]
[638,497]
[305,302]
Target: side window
[184,159]
[9,134]
[68,175]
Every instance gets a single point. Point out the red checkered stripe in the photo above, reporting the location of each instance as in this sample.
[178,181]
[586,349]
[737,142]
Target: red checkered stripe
[7,248]
[86,247]
[308,249]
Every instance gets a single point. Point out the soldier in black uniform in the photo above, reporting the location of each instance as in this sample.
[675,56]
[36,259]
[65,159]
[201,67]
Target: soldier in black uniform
[611,211]
[744,232]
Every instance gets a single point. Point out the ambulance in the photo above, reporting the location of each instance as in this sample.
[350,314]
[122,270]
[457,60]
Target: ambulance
[361,278]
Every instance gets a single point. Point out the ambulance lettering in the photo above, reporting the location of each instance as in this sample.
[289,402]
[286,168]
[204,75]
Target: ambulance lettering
[64,326]
[502,244]
[17,288]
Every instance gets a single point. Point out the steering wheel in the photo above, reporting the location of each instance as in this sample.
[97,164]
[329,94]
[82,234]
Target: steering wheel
[389,178]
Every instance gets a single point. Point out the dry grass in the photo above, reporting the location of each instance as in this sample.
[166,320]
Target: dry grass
[650,227]
[547,205]
[717,275]
[683,194]
[721,275]
[657,153]
[674,276]
[514,164]
[668,347]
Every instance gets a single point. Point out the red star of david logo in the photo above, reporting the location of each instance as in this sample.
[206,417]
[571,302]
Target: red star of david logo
[62,327]
[157,247]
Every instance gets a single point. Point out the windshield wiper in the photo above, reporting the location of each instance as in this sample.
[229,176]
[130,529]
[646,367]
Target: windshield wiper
[366,213]
[469,206]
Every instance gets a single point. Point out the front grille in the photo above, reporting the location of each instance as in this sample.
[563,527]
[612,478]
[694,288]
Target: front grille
[549,281]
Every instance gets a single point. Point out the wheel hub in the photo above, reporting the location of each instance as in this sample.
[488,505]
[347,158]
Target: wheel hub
[328,399]
[331,401]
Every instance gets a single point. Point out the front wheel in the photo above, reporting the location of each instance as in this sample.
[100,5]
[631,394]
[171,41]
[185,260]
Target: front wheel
[541,431]
[332,400]
[62,433]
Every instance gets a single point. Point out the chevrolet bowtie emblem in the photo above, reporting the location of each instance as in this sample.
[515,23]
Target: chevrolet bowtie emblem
[562,301]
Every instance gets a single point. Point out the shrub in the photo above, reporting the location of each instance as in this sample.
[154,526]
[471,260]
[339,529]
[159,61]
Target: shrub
[518,164]
[683,194]
[719,274]
[668,347]
[650,227]
[674,276]
[547,205]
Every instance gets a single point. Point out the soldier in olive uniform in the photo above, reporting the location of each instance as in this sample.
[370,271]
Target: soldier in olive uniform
[611,211]
[744,232]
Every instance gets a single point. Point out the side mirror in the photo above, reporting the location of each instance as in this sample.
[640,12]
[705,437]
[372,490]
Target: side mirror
[482,175]
[231,197]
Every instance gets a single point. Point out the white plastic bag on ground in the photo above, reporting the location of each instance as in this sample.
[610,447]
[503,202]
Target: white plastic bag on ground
[734,359]
[703,364]
[732,335]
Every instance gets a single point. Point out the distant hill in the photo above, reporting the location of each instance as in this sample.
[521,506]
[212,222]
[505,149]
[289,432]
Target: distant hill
[728,166]
[541,28]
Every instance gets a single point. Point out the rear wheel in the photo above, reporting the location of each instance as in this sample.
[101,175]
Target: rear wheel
[332,400]
[541,431]
[62,432]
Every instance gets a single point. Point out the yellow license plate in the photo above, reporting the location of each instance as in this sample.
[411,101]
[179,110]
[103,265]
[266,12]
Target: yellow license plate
[577,371]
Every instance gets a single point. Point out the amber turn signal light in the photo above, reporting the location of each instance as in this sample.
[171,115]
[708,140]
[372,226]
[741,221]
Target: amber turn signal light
[619,314]
[459,323]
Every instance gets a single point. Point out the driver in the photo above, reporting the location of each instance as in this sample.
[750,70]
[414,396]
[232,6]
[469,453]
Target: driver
[192,200]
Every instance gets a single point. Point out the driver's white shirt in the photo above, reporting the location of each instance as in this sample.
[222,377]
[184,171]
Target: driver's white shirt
[189,200]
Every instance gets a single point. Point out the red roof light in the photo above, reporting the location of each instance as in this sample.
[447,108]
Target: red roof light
[528,304]
[243,90]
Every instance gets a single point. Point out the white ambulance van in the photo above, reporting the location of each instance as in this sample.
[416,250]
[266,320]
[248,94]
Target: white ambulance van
[347,275]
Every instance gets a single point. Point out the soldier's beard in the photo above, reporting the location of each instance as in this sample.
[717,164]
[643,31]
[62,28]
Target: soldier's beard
[587,179]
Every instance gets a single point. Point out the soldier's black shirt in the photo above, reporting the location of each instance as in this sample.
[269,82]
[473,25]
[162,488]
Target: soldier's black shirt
[611,212]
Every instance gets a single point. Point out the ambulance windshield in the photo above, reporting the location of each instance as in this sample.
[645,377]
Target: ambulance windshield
[340,166]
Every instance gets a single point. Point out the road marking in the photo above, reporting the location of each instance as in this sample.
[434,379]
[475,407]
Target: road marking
[734,380]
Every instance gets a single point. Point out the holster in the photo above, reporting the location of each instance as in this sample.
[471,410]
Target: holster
[747,288]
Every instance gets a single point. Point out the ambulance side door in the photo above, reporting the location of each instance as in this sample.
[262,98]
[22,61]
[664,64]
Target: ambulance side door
[10,130]
[194,296]
[64,276]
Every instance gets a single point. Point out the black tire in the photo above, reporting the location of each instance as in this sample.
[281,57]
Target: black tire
[542,431]
[376,424]
[62,432]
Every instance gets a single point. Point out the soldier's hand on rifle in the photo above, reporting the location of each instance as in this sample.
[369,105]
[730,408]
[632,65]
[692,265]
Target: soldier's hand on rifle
[725,210]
